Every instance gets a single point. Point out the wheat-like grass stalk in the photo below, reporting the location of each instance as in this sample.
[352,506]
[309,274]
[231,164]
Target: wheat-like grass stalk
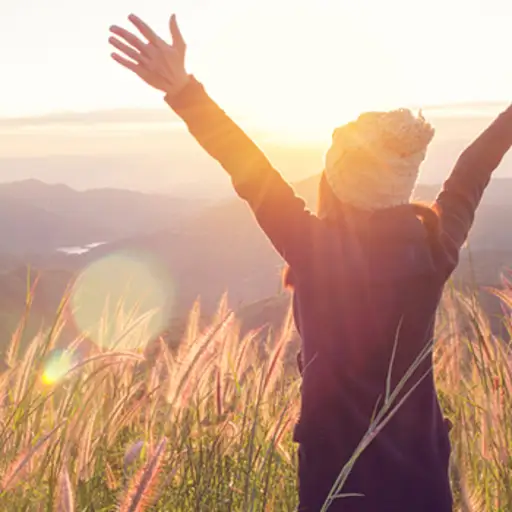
[65,497]
[17,468]
[143,486]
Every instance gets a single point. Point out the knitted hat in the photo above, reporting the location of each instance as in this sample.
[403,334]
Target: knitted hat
[374,162]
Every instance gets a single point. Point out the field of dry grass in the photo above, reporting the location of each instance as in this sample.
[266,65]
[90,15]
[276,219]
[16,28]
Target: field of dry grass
[208,427]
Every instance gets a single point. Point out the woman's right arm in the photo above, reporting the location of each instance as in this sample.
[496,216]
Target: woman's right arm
[461,193]
[283,216]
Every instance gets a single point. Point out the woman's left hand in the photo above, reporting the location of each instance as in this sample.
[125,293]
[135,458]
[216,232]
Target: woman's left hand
[158,63]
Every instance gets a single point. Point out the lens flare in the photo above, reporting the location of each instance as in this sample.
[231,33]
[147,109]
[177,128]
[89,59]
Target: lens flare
[57,366]
[122,301]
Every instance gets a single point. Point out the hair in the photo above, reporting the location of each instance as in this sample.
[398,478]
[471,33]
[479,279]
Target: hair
[430,220]
[328,205]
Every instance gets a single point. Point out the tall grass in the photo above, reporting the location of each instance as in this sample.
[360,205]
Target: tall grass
[207,426]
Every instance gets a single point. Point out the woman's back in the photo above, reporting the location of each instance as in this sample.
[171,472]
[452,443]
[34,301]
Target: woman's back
[366,312]
[362,276]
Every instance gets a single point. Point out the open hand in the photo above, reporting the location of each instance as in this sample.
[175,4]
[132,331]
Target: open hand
[158,63]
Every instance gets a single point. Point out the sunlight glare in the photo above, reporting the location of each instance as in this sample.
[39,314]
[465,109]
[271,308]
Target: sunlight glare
[122,301]
[58,364]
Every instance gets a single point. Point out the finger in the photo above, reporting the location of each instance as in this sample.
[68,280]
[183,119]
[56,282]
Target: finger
[146,30]
[128,64]
[127,50]
[177,38]
[130,38]
[140,70]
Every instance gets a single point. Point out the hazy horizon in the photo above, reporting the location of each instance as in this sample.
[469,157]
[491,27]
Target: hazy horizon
[150,150]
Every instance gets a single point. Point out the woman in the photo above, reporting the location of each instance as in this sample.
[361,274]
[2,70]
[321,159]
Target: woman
[367,274]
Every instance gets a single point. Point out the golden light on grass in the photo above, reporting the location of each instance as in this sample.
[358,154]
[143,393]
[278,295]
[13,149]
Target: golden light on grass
[122,301]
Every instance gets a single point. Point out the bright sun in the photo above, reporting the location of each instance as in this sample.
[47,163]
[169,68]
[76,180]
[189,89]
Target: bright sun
[290,121]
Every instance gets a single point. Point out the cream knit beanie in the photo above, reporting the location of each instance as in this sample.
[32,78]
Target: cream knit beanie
[374,162]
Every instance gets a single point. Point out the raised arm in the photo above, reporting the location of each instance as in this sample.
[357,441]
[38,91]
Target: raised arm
[461,194]
[281,214]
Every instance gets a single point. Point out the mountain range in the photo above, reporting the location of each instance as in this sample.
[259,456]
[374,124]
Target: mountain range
[205,249]
[39,218]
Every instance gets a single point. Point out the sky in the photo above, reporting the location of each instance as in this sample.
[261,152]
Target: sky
[300,66]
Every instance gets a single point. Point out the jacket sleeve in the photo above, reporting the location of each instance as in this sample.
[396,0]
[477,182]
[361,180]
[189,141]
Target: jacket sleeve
[281,214]
[461,193]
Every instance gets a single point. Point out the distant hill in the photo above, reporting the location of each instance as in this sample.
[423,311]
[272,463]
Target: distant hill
[26,228]
[39,218]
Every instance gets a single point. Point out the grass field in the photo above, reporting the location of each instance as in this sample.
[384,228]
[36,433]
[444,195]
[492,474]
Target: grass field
[207,427]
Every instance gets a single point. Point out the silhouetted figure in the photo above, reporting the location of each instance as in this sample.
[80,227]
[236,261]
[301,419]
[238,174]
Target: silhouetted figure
[367,274]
